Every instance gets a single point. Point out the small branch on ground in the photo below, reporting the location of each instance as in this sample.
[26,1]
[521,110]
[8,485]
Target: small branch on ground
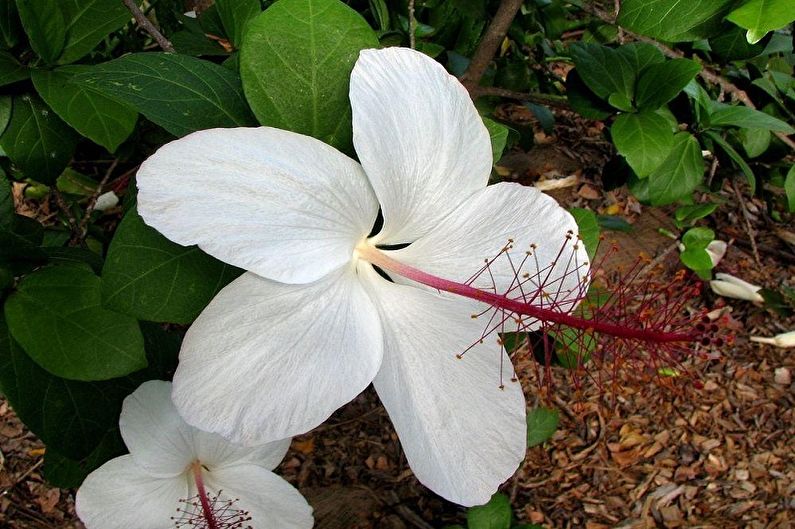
[748,228]
[489,44]
[654,263]
[79,235]
[64,207]
[550,100]
[147,25]
[412,26]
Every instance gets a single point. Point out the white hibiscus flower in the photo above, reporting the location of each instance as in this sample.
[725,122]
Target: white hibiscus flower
[313,323]
[178,476]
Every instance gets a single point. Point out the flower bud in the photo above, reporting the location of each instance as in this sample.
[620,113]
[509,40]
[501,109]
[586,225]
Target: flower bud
[728,286]
[784,340]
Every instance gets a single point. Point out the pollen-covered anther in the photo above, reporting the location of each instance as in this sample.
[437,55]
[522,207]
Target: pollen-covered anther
[224,513]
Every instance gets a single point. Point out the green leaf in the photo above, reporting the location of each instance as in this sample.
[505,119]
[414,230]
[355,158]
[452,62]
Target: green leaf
[680,173]
[644,139]
[96,116]
[604,70]
[10,27]
[10,69]
[235,14]
[761,16]
[37,141]
[541,425]
[583,101]
[696,259]
[296,62]
[498,133]
[755,141]
[698,238]
[6,201]
[789,189]
[731,45]
[736,157]
[67,473]
[56,314]
[154,279]
[496,514]
[659,83]
[724,115]
[621,102]
[70,417]
[181,94]
[588,227]
[5,112]
[674,20]
[44,23]
[88,22]
[686,215]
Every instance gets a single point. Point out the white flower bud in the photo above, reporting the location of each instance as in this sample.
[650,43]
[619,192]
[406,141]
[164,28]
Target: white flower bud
[716,250]
[728,286]
[106,201]
[783,340]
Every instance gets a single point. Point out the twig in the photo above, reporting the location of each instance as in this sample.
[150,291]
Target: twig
[147,25]
[82,230]
[541,99]
[490,42]
[706,73]
[657,260]
[64,207]
[412,26]
[617,7]
[786,256]
[748,227]
[21,478]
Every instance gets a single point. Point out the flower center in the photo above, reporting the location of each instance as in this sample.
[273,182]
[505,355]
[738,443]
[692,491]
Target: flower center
[208,511]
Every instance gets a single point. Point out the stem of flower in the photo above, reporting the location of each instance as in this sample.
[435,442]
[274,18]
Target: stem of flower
[207,508]
[501,301]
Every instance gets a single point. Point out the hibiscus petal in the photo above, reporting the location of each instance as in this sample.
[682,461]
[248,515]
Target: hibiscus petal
[483,224]
[158,438]
[271,502]
[463,435]
[282,205]
[214,450]
[266,360]
[419,138]
[121,495]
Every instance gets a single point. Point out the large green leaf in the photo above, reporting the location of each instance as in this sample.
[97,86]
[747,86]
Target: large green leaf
[10,69]
[496,514]
[659,83]
[789,189]
[731,45]
[5,112]
[181,94]
[541,425]
[736,157]
[296,62]
[235,14]
[724,115]
[68,473]
[498,133]
[674,20]
[644,139]
[587,229]
[71,417]
[90,112]
[87,23]
[6,201]
[583,100]
[679,174]
[603,70]
[56,314]
[154,279]
[762,16]
[37,141]
[44,23]
[10,27]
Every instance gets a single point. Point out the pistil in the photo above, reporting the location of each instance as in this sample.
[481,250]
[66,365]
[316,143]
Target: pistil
[204,499]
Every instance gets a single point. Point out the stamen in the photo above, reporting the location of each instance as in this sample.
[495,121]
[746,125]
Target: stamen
[206,511]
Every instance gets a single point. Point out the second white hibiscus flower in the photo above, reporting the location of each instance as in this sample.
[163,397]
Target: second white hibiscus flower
[313,323]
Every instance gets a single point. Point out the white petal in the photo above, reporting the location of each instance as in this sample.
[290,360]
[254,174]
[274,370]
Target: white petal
[157,437]
[271,502]
[266,360]
[282,205]
[120,495]
[419,138]
[481,226]
[463,435]
[214,450]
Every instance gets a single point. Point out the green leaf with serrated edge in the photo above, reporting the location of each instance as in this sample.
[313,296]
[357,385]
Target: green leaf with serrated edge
[235,14]
[83,340]
[588,229]
[736,158]
[674,20]
[761,16]
[44,23]
[498,133]
[296,62]
[723,115]
[583,100]
[659,83]
[755,141]
[10,69]
[154,279]
[541,425]
[38,142]
[680,173]
[789,189]
[88,22]
[68,473]
[644,139]
[496,514]
[69,416]
[96,116]
[181,94]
